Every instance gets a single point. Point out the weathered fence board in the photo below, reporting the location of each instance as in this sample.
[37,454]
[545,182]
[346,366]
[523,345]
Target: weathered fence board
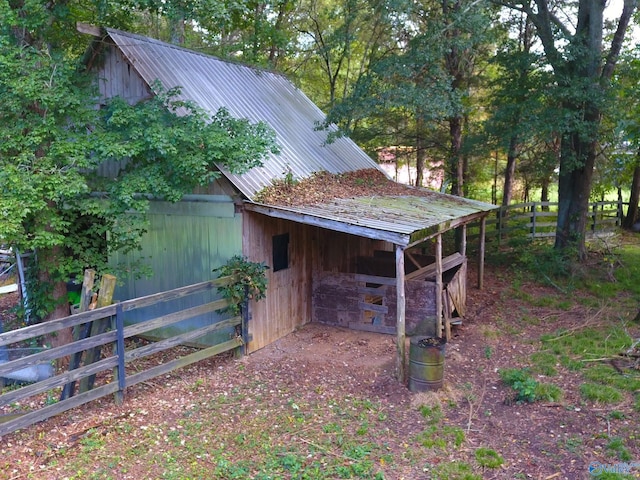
[539,220]
[120,357]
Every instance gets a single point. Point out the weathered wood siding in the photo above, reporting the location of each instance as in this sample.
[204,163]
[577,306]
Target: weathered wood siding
[184,243]
[288,303]
[116,78]
[339,252]
[455,293]
[337,300]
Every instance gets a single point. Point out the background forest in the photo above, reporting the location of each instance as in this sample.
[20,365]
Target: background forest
[503,101]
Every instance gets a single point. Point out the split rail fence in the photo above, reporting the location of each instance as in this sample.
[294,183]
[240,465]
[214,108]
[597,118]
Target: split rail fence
[117,378]
[538,220]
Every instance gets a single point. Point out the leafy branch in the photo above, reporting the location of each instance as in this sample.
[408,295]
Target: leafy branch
[251,279]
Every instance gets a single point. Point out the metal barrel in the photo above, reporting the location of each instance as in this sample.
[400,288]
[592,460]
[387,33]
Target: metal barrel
[426,363]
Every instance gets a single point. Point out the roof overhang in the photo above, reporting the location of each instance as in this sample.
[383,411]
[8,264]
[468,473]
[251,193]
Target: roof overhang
[402,220]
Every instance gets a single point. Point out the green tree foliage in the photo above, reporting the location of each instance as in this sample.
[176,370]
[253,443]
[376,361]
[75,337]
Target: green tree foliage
[518,108]
[420,85]
[623,167]
[54,141]
[572,39]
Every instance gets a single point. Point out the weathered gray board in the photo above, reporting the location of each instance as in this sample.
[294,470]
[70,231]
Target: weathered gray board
[185,242]
[337,300]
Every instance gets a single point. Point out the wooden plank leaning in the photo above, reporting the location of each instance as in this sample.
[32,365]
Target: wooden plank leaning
[105,296]
[80,332]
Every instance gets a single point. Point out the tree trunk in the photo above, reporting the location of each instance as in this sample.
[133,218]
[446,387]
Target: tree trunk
[544,193]
[456,167]
[420,152]
[632,211]
[510,171]
[176,27]
[574,187]
[47,259]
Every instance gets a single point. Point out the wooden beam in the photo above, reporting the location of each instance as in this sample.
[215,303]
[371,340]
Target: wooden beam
[439,287]
[463,244]
[483,226]
[89,29]
[401,310]
[330,224]
[413,260]
[105,296]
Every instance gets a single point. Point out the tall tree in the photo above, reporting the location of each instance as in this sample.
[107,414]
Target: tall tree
[582,72]
[424,77]
[624,165]
[54,139]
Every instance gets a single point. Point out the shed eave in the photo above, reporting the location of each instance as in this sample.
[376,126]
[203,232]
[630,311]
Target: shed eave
[424,234]
[329,223]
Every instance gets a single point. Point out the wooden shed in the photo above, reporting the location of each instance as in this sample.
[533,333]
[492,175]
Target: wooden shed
[358,262]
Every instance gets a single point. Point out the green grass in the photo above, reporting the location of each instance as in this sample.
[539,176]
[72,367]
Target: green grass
[544,363]
[488,458]
[590,351]
[599,393]
[452,471]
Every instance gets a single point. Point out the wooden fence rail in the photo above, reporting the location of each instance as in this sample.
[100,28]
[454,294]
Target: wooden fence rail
[538,220]
[15,419]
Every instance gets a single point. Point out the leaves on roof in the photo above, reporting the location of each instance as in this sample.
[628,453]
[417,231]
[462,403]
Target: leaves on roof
[322,187]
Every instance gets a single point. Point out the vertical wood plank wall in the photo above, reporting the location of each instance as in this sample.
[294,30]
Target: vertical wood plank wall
[288,301]
[288,304]
[117,78]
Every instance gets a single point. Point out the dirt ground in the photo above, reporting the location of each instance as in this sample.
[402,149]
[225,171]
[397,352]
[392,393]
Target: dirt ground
[538,441]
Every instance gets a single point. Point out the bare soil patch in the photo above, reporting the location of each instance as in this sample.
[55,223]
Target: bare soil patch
[318,363]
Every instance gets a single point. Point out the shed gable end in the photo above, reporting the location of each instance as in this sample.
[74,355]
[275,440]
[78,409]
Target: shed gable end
[117,78]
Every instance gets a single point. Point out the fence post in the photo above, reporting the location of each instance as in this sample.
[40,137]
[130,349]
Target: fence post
[619,212]
[244,311]
[80,332]
[105,294]
[119,371]
[533,220]
[502,212]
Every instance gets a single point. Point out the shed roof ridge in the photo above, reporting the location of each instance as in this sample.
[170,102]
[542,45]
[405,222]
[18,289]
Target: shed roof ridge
[235,63]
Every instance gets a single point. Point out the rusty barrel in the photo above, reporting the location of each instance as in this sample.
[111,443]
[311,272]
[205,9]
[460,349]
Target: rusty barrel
[426,363]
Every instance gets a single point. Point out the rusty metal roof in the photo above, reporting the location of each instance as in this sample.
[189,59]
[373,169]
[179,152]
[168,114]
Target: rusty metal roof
[251,93]
[402,220]
[260,95]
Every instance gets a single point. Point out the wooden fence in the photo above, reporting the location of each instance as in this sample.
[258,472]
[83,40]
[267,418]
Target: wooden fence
[538,220]
[116,379]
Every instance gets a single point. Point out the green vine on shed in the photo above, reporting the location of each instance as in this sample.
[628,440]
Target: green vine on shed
[250,274]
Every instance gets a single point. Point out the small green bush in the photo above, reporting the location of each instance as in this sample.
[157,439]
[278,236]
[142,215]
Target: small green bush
[489,458]
[251,281]
[521,382]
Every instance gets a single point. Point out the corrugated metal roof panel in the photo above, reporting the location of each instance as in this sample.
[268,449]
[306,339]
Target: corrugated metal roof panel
[246,92]
[400,219]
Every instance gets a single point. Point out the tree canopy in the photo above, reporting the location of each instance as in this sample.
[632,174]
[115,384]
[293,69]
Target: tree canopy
[52,200]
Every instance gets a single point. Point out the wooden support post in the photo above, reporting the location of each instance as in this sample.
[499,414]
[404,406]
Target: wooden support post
[463,244]
[483,226]
[119,371]
[244,326]
[87,289]
[439,289]
[105,296]
[401,310]
[80,332]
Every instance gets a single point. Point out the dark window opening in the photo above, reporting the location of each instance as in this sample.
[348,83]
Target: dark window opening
[280,252]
